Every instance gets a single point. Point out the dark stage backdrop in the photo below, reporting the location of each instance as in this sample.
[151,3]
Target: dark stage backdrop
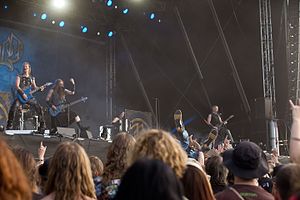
[53,56]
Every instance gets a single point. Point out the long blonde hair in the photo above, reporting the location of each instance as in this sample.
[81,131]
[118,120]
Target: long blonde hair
[70,175]
[117,157]
[159,144]
[13,182]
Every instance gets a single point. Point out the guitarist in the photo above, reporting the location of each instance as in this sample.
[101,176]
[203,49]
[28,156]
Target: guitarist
[56,97]
[215,121]
[24,81]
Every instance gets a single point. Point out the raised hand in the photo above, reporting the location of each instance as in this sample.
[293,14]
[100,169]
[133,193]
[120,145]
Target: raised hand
[42,88]
[24,96]
[72,81]
[193,143]
[42,151]
[295,109]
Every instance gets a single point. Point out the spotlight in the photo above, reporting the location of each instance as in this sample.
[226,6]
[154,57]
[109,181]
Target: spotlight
[5,6]
[110,33]
[152,16]
[44,16]
[109,3]
[84,29]
[59,4]
[34,14]
[98,33]
[61,24]
[125,11]
[53,22]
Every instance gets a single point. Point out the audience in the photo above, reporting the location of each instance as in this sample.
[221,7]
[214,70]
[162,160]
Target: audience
[97,171]
[29,166]
[195,182]
[153,166]
[160,145]
[247,162]
[218,173]
[14,184]
[43,174]
[70,175]
[149,179]
[287,182]
[116,164]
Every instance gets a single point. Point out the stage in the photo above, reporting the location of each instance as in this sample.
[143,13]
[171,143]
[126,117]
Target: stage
[31,142]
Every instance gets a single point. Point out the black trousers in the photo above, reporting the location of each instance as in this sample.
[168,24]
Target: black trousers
[222,134]
[62,119]
[33,105]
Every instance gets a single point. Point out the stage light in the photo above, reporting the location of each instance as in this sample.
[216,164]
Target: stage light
[53,22]
[159,20]
[34,14]
[98,33]
[5,6]
[61,24]
[152,16]
[44,16]
[84,29]
[110,33]
[109,3]
[125,11]
[59,4]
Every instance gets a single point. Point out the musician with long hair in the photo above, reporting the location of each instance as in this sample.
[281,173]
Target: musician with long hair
[57,97]
[23,82]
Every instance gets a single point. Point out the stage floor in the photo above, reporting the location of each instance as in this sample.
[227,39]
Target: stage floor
[32,142]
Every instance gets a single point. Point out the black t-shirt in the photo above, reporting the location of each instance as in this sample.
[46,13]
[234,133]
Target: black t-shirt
[215,119]
[248,192]
[25,82]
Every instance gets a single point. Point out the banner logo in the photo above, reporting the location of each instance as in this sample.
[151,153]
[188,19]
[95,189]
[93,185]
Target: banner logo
[11,51]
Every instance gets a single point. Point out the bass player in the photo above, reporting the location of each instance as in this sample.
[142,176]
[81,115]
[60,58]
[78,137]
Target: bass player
[57,97]
[215,121]
[26,81]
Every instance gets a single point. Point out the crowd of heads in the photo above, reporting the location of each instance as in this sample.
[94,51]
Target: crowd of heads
[152,165]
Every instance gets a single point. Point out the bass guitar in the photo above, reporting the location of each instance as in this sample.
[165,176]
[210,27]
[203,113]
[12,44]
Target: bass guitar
[29,93]
[61,107]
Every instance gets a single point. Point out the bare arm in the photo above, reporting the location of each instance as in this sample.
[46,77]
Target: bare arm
[220,119]
[69,92]
[49,95]
[209,119]
[33,84]
[20,91]
[295,133]
[17,84]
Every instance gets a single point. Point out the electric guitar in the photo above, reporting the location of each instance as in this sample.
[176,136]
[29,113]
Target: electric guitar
[29,93]
[61,107]
[214,132]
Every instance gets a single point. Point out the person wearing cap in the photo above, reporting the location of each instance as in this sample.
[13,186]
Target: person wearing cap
[247,162]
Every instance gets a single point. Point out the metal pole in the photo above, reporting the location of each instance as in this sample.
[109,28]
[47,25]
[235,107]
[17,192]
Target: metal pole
[137,76]
[192,54]
[230,58]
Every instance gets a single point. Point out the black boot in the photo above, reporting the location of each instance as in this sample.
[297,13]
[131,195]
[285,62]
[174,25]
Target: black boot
[42,127]
[82,127]
[9,125]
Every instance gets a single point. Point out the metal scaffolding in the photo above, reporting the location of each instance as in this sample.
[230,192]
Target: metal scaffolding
[110,79]
[268,72]
[267,55]
[292,15]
